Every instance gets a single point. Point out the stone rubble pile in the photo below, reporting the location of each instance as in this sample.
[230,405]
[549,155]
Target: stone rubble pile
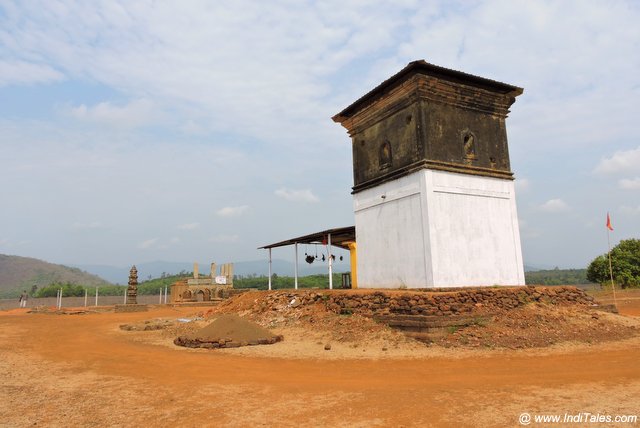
[425,302]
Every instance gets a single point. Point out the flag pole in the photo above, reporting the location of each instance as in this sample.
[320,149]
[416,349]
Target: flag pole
[613,286]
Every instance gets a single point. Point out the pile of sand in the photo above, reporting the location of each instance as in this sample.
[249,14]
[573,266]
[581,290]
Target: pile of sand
[228,331]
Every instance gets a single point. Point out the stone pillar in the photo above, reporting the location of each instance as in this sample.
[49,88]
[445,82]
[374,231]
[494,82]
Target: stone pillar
[230,274]
[195,270]
[213,270]
[223,270]
[132,289]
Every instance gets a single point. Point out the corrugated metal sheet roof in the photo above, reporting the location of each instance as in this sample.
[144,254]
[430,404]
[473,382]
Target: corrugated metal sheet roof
[339,237]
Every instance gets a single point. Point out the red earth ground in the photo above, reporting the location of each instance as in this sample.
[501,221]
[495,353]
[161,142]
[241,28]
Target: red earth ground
[83,370]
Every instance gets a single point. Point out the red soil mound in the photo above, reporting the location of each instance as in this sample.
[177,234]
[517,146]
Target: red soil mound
[228,331]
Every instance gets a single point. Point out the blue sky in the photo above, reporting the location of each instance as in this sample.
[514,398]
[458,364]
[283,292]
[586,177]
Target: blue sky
[140,131]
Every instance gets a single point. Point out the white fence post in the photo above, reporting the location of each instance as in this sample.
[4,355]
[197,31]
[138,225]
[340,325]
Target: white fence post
[270,269]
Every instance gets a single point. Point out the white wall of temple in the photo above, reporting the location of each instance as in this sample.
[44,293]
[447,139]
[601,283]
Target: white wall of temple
[391,237]
[438,229]
[474,230]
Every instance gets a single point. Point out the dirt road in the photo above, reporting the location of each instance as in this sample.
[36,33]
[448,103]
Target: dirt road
[82,370]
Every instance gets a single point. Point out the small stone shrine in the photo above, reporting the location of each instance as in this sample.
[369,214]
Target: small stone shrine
[433,194]
[132,295]
[204,289]
[132,290]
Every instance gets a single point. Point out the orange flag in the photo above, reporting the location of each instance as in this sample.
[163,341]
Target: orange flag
[609,222]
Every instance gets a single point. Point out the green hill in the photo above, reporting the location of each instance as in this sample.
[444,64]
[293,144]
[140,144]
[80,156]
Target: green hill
[24,273]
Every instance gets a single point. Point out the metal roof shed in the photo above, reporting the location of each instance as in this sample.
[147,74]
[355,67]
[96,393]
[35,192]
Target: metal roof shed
[339,237]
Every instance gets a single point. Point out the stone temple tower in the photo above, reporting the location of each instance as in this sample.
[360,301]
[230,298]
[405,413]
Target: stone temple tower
[433,192]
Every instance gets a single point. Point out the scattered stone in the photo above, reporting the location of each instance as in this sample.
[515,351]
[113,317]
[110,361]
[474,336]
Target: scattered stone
[294,303]
[149,325]
[327,347]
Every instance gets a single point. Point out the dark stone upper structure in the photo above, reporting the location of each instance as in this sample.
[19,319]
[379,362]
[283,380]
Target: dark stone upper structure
[427,116]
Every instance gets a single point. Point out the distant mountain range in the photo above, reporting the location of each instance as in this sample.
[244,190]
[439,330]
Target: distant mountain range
[533,268]
[23,273]
[120,274]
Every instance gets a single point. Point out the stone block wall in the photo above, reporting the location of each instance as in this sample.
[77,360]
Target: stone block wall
[429,303]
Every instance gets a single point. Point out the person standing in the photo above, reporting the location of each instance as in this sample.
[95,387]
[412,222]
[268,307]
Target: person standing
[23,299]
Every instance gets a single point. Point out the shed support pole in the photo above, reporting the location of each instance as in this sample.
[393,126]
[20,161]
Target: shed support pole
[353,257]
[269,268]
[330,264]
[296,267]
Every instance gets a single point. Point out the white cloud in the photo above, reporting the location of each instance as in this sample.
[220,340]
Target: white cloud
[522,184]
[136,113]
[22,72]
[193,128]
[554,206]
[206,61]
[303,195]
[302,62]
[630,183]
[14,244]
[88,226]
[631,211]
[565,103]
[149,243]
[526,231]
[189,226]
[316,58]
[232,211]
[621,162]
[224,239]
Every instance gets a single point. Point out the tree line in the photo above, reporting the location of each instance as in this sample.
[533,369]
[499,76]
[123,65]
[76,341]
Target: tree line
[277,282]
[557,277]
[625,264]
[149,287]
